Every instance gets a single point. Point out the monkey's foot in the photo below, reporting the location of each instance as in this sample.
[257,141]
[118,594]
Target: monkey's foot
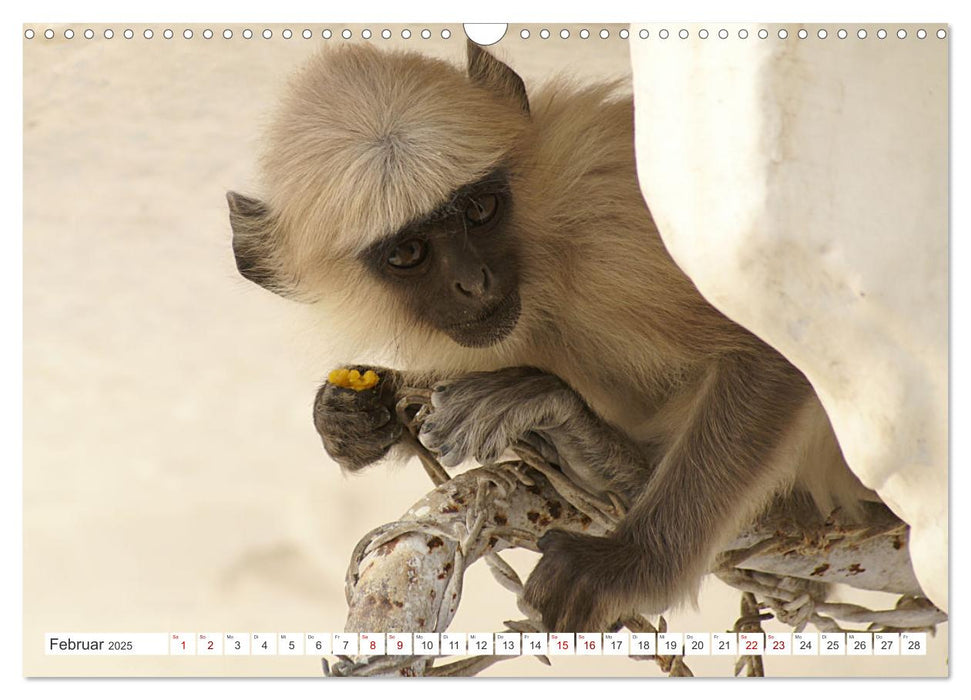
[583,583]
[480,415]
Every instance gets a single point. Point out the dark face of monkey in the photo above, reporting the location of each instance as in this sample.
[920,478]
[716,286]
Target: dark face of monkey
[456,268]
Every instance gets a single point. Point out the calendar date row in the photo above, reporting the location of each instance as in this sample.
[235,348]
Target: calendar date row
[489,644]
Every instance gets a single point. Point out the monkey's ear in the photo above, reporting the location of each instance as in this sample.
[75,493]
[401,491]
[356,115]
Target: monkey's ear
[488,71]
[252,241]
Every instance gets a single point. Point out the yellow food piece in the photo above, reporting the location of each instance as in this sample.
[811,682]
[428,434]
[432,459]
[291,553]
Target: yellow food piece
[352,379]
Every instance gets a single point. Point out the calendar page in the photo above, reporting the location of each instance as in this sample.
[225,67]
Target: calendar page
[533,350]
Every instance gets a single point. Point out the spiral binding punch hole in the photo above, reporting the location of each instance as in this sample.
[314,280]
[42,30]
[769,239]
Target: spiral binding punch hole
[488,34]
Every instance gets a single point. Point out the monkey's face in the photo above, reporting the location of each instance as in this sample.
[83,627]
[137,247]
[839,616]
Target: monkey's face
[456,268]
[389,191]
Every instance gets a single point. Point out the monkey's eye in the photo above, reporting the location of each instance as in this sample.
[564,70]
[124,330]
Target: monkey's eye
[409,254]
[481,209]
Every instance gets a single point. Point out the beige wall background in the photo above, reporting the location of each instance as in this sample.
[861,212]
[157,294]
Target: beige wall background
[173,481]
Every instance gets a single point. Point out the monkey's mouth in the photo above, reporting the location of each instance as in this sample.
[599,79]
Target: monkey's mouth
[491,326]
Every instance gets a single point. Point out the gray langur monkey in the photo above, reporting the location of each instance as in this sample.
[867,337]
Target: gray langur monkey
[497,244]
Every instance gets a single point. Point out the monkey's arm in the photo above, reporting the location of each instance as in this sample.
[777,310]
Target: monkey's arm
[717,473]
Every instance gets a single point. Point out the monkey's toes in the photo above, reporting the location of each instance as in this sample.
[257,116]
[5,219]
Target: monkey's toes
[443,444]
[580,583]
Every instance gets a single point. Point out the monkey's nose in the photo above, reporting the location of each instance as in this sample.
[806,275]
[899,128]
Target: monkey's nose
[475,284]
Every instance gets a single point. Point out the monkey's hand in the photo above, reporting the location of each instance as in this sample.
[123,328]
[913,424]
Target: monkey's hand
[358,427]
[479,415]
[583,583]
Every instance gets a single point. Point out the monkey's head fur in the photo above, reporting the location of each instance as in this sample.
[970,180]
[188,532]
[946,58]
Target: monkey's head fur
[439,212]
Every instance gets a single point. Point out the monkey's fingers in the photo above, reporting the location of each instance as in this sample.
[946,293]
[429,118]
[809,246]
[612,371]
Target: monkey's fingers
[346,406]
[454,440]
[354,449]
[468,420]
